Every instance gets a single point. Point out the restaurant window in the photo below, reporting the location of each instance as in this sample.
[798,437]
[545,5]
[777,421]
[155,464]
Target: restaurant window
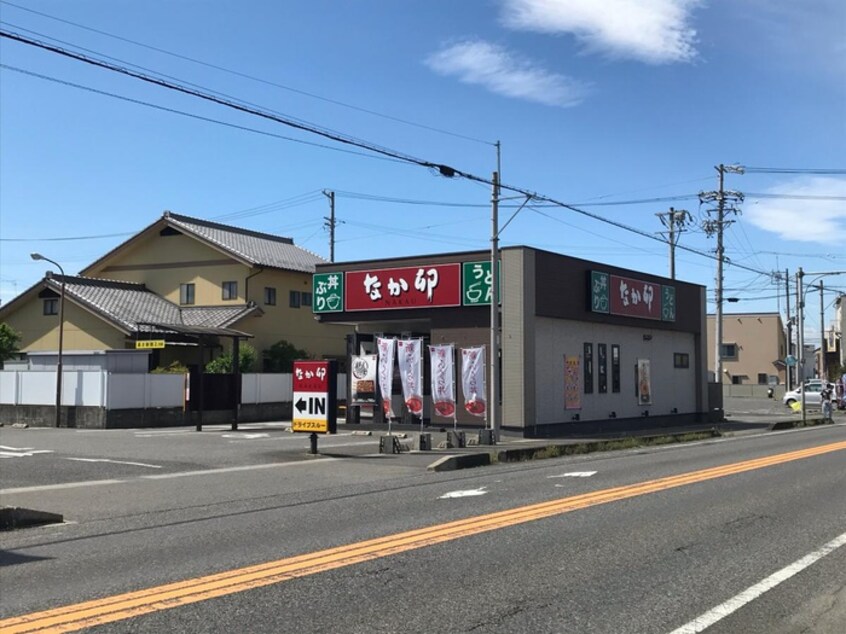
[602,354]
[681,360]
[588,368]
[615,368]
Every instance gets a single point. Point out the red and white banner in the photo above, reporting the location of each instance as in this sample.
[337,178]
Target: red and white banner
[410,359]
[443,379]
[473,380]
[385,348]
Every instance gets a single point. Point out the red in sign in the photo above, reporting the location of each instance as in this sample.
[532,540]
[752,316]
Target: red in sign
[430,286]
[635,298]
[311,376]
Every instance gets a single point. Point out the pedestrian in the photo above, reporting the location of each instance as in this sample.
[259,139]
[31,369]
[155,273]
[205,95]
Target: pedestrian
[825,397]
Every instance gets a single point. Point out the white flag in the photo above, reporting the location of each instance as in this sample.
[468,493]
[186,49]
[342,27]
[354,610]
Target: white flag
[385,348]
[443,379]
[473,380]
[410,359]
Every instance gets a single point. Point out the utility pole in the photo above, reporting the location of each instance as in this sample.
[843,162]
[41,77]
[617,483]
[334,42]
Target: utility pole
[493,406]
[671,220]
[800,336]
[789,369]
[822,334]
[330,223]
[711,227]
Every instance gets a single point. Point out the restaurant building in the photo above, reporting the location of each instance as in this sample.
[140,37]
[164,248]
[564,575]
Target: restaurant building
[584,347]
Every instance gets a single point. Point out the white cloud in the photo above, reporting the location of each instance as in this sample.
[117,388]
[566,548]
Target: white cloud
[803,219]
[502,72]
[653,31]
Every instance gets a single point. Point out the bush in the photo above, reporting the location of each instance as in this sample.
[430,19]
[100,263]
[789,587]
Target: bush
[10,339]
[281,355]
[176,367]
[223,363]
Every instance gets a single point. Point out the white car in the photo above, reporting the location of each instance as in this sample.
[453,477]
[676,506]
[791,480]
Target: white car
[812,394]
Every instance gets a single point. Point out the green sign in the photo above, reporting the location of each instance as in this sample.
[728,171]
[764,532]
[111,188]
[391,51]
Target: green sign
[600,292]
[476,283]
[328,292]
[668,303]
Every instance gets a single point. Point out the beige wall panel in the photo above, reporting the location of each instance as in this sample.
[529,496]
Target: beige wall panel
[82,330]
[671,387]
[760,341]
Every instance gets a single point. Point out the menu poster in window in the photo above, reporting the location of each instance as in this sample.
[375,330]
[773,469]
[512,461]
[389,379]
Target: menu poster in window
[644,382]
[363,382]
[572,389]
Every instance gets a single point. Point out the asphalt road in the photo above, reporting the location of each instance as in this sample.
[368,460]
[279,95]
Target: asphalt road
[647,559]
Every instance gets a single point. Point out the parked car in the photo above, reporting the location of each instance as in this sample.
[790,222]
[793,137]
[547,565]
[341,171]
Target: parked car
[813,388]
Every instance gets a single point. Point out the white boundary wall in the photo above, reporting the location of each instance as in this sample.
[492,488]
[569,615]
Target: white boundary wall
[132,391]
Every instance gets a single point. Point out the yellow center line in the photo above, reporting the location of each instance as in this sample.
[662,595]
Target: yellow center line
[123,606]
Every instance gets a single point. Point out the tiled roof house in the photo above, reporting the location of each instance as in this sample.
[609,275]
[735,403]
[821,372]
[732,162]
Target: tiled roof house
[179,278]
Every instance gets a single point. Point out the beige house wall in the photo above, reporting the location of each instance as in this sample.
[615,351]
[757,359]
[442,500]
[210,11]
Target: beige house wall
[760,341]
[82,330]
[163,263]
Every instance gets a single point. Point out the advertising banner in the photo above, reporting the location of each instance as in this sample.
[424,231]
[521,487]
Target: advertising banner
[410,359]
[631,298]
[385,348]
[473,380]
[644,383]
[572,386]
[433,286]
[315,397]
[364,379]
[443,379]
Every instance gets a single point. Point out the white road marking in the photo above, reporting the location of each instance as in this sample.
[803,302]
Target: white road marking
[163,476]
[54,487]
[463,494]
[20,452]
[135,464]
[723,610]
[574,474]
[245,436]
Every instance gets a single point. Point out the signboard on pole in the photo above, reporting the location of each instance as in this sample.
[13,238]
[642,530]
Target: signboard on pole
[148,344]
[315,397]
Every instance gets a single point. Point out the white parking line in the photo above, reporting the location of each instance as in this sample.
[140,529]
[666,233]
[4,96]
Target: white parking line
[720,612]
[135,464]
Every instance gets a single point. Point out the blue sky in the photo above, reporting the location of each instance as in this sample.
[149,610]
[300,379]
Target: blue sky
[596,104]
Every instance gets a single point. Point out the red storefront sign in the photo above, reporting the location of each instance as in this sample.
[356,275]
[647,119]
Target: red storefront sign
[315,401]
[430,286]
[635,298]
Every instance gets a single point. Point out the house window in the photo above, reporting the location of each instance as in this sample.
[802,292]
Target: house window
[186,293]
[230,290]
[615,367]
[763,378]
[602,354]
[728,351]
[269,296]
[294,299]
[588,368]
[737,380]
[681,360]
[306,299]
[51,306]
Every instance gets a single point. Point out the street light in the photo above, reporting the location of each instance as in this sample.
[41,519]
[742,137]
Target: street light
[38,256]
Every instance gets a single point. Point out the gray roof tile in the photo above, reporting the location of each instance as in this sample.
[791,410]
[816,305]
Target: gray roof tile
[259,249]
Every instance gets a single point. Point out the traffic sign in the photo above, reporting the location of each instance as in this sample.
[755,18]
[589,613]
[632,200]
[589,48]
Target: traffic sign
[315,399]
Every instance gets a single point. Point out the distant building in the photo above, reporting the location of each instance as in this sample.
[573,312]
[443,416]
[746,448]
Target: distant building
[754,348]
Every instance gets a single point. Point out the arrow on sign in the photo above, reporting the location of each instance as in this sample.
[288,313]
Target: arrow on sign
[301,405]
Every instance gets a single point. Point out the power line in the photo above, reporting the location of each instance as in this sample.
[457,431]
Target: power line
[443,170]
[790,170]
[251,77]
[287,121]
[191,115]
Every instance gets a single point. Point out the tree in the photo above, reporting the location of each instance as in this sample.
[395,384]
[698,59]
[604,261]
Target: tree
[10,339]
[281,355]
[223,363]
